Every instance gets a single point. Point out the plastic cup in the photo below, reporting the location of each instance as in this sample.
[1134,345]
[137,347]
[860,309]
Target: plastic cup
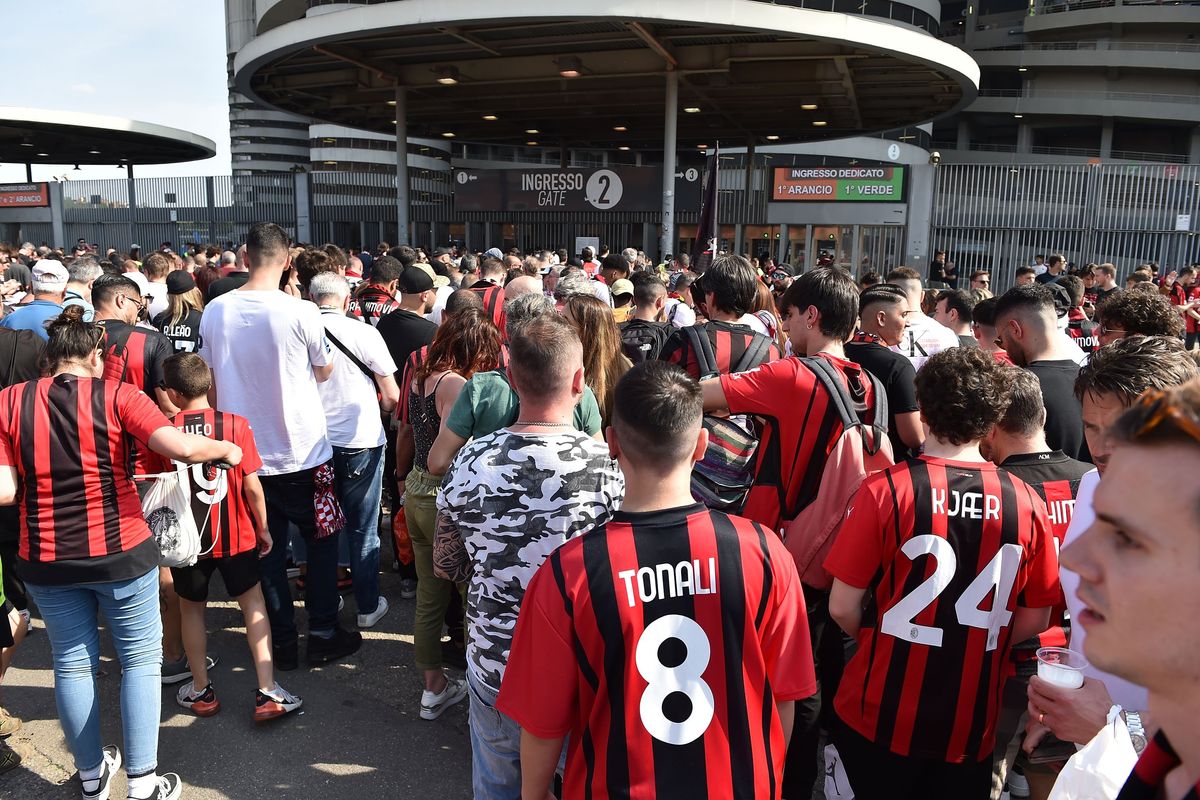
[1061,667]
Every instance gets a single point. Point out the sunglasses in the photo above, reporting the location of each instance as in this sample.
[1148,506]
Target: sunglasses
[1159,410]
[1105,330]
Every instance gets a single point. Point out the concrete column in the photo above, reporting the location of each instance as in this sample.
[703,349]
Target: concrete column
[303,207]
[1024,138]
[739,238]
[781,247]
[919,219]
[132,205]
[211,200]
[808,249]
[402,207]
[964,135]
[362,235]
[1194,146]
[670,120]
[57,228]
[1106,138]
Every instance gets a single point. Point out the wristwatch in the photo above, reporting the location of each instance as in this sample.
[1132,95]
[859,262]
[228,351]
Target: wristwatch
[1137,733]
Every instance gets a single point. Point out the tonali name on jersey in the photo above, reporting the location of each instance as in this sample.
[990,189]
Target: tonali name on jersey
[670,580]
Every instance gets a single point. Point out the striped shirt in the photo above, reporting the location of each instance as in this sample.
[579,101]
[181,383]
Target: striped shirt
[619,623]
[70,440]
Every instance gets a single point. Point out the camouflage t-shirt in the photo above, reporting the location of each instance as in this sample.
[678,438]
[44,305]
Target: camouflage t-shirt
[515,497]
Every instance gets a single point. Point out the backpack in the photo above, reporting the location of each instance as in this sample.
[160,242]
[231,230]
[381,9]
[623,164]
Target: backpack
[722,479]
[860,451]
[642,341]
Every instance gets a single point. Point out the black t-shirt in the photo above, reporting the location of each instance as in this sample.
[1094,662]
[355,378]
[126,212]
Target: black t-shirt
[185,334]
[20,273]
[1101,294]
[898,377]
[404,333]
[1047,277]
[1064,416]
[234,280]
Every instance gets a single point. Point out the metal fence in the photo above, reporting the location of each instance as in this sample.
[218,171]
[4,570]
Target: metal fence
[998,217]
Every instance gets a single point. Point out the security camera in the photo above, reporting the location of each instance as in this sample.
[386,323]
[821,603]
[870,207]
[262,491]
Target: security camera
[935,157]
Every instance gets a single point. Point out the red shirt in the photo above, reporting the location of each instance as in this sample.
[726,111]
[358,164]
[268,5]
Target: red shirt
[946,550]
[221,502]
[70,440]
[729,344]
[801,428]
[717,597]
[493,302]
[1193,326]
[370,303]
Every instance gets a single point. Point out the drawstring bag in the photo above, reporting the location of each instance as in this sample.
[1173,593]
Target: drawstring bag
[167,508]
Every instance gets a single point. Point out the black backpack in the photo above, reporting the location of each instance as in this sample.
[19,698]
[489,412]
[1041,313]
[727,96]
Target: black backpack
[642,340]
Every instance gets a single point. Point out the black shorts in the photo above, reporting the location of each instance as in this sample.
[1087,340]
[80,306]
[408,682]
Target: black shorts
[14,587]
[239,572]
[876,773]
[6,636]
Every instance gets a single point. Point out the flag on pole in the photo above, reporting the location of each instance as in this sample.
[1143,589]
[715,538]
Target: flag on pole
[707,228]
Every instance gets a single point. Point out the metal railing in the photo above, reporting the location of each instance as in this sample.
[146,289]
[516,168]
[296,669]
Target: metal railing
[1062,94]
[1093,45]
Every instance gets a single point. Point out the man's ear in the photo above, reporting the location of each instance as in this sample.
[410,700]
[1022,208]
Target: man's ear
[701,445]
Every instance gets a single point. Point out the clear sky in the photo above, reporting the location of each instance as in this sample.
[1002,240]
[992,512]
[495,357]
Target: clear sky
[159,61]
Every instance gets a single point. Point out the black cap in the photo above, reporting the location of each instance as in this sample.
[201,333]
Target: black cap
[1062,298]
[179,282]
[412,281]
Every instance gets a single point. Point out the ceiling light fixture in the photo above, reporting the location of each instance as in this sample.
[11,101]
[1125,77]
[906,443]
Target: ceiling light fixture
[1022,69]
[701,147]
[691,110]
[620,128]
[532,131]
[532,144]
[449,134]
[820,123]
[569,67]
[447,76]
[623,147]
[391,102]
[94,152]
[1018,116]
[808,106]
[490,117]
[772,138]
[43,155]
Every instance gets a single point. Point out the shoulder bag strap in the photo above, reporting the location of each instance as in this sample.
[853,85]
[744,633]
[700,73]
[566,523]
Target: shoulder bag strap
[357,361]
[706,359]
[754,354]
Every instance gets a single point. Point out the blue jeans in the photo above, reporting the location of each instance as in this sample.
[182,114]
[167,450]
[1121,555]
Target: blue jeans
[495,747]
[131,610]
[290,499]
[359,486]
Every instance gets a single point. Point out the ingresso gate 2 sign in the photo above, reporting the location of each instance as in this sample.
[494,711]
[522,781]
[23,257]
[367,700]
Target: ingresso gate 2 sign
[24,195]
[839,184]
[600,189]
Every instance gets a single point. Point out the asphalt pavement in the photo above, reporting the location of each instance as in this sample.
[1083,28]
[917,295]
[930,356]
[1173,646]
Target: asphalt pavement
[359,735]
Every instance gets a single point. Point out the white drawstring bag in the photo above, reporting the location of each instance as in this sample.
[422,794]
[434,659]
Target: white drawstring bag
[167,508]
[1101,767]
[837,783]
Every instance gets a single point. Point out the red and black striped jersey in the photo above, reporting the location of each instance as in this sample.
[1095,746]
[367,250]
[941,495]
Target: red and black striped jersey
[221,502]
[1177,294]
[1085,332]
[801,427]
[946,551]
[729,343]
[69,439]
[661,642]
[135,355]
[370,303]
[1148,780]
[1055,477]
[493,302]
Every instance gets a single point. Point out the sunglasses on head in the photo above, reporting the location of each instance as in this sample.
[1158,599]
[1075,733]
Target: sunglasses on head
[1160,410]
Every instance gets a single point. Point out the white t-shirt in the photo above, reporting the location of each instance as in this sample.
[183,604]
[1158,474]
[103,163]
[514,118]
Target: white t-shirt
[679,313]
[1127,695]
[158,298]
[923,337]
[439,304]
[351,407]
[262,346]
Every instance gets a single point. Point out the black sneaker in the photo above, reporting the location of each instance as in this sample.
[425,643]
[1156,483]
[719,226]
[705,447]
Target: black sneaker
[340,645]
[286,657]
[109,766]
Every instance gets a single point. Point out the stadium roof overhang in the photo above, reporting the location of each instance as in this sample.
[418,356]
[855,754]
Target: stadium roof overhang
[492,72]
[38,136]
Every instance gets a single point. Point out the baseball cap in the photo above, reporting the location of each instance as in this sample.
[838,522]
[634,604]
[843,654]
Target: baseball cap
[414,280]
[438,280]
[493,252]
[140,280]
[50,272]
[1062,298]
[180,282]
[622,286]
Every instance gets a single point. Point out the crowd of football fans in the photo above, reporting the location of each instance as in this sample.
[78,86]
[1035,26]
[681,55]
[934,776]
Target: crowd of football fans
[728,529]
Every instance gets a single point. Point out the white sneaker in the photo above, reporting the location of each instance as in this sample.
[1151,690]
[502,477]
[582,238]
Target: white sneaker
[108,766]
[169,787]
[369,620]
[432,705]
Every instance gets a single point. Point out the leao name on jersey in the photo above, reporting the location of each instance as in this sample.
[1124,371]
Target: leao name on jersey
[669,580]
[968,505]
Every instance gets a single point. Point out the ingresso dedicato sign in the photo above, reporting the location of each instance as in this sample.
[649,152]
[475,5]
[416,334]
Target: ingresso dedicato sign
[24,195]
[882,184]
[599,189]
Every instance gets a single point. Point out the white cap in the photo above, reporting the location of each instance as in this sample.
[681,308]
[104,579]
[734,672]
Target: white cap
[140,280]
[49,274]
